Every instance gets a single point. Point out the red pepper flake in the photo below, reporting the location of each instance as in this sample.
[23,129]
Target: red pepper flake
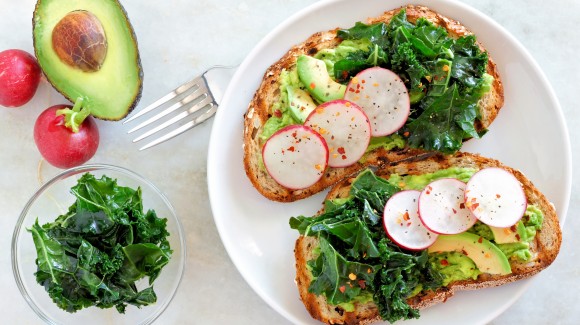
[406,134]
[518,237]
[294,134]
[454,211]
[497,196]
[343,157]
[344,74]
[475,205]
[464,252]
[291,149]
[444,262]
[342,289]
[312,85]
[278,113]
[480,240]
[362,284]
[341,150]
[406,216]
[462,206]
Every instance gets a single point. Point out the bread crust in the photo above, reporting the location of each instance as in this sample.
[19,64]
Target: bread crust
[268,93]
[544,247]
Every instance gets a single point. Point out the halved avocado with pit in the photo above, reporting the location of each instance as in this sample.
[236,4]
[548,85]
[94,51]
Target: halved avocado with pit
[88,49]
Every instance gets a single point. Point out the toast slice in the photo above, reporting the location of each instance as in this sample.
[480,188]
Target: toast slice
[259,109]
[544,247]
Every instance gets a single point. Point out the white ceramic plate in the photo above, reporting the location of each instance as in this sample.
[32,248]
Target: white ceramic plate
[529,134]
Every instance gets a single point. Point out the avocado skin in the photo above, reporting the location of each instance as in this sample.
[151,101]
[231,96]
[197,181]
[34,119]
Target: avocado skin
[137,61]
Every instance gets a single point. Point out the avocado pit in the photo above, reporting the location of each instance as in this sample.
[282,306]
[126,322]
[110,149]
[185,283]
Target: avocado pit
[79,41]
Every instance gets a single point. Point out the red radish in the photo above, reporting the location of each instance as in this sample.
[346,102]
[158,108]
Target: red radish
[402,223]
[383,96]
[19,77]
[442,207]
[496,197]
[295,156]
[346,129]
[66,137]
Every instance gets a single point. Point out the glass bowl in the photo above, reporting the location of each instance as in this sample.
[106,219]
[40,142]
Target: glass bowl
[52,200]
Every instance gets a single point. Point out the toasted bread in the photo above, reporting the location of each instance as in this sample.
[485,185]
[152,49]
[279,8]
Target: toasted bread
[544,247]
[269,92]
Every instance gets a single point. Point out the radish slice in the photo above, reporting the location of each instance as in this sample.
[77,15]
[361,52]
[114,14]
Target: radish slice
[295,156]
[346,129]
[495,197]
[402,223]
[383,96]
[442,207]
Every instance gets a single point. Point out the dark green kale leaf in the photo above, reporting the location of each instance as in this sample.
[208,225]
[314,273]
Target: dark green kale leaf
[94,253]
[445,122]
[337,278]
[376,33]
[469,62]
[400,275]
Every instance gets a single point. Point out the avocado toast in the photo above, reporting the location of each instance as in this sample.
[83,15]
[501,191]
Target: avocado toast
[271,107]
[377,279]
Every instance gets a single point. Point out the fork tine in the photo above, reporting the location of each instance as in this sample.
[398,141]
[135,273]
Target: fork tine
[206,101]
[198,93]
[176,92]
[189,125]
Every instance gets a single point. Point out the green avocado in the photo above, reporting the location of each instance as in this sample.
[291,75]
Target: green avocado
[487,257]
[314,75]
[301,104]
[88,49]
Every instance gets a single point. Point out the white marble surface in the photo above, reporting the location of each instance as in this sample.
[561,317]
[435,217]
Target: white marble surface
[178,39]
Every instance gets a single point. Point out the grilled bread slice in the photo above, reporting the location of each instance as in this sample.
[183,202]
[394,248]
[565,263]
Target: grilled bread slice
[259,109]
[544,247]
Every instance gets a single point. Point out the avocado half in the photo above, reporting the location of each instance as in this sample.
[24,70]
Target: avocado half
[110,86]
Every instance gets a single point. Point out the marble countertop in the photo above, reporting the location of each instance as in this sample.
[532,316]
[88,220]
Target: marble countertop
[179,39]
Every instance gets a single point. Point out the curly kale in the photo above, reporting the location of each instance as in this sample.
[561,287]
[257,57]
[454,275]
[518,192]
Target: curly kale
[94,254]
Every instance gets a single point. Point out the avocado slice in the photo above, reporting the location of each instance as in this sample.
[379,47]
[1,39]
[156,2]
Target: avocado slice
[106,73]
[314,75]
[513,234]
[301,104]
[487,257]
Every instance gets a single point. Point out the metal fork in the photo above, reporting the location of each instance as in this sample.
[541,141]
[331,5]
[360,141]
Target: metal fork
[198,99]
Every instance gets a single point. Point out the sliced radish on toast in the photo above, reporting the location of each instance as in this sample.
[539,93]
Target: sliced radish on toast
[495,197]
[402,223]
[383,96]
[442,207]
[346,129]
[295,156]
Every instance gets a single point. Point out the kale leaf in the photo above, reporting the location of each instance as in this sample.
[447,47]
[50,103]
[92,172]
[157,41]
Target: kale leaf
[94,254]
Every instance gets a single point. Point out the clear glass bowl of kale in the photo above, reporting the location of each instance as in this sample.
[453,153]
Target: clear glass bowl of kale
[98,244]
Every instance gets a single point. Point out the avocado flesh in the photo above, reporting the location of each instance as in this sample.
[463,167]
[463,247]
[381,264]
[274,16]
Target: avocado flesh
[314,76]
[115,89]
[301,105]
[487,257]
